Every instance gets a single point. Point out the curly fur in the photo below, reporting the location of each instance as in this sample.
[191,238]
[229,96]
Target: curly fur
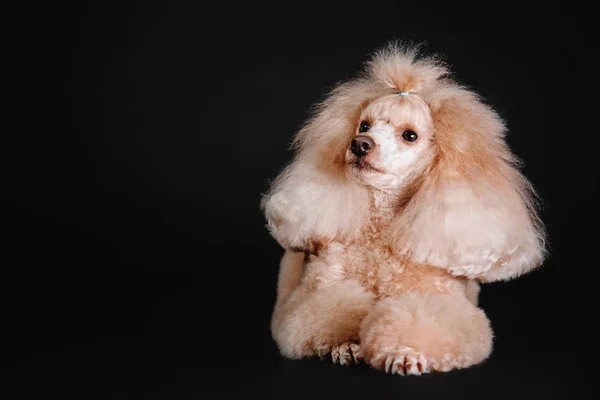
[382,263]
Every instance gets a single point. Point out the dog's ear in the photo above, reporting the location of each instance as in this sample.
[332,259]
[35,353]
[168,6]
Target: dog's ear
[473,212]
[313,200]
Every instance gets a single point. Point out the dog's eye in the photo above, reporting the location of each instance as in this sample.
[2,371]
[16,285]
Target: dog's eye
[409,136]
[364,126]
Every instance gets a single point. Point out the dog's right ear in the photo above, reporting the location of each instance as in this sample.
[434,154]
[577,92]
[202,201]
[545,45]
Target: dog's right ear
[313,200]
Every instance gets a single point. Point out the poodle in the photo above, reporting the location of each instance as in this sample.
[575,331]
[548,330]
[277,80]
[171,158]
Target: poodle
[401,198]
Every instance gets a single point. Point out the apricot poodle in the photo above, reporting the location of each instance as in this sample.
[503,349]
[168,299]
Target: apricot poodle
[402,196]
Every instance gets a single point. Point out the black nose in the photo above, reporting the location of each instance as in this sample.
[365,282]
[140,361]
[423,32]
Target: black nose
[361,145]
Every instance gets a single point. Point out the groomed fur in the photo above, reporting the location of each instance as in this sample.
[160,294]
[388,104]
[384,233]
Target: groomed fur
[384,248]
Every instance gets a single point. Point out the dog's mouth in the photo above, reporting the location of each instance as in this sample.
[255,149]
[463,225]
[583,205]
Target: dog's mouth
[363,165]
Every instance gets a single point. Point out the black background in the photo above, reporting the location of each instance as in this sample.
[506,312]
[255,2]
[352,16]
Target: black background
[139,137]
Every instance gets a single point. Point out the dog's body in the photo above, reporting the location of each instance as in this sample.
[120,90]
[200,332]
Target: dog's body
[402,195]
[324,299]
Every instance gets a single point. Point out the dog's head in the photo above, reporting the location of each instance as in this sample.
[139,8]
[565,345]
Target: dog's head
[406,129]
[394,142]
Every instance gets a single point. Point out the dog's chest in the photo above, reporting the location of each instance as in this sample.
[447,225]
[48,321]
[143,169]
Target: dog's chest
[377,266]
[372,261]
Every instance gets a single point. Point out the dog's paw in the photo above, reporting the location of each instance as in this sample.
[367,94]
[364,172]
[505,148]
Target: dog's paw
[343,354]
[346,354]
[406,361]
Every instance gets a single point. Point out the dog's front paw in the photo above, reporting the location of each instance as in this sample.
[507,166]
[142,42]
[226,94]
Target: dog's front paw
[406,361]
[346,354]
[343,354]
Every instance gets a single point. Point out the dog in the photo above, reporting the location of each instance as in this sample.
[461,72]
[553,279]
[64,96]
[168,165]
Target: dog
[402,197]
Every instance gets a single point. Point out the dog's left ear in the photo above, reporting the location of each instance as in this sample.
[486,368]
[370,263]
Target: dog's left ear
[473,212]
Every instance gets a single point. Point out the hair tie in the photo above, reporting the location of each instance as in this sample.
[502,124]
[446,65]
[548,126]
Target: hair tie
[403,94]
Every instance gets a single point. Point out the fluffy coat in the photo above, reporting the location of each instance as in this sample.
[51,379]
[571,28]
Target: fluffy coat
[384,251]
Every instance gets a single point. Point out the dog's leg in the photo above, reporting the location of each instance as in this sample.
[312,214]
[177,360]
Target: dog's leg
[472,290]
[417,333]
[317,320]
[291,268]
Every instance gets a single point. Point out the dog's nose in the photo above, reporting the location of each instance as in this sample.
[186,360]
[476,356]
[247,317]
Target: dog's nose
[361,145]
